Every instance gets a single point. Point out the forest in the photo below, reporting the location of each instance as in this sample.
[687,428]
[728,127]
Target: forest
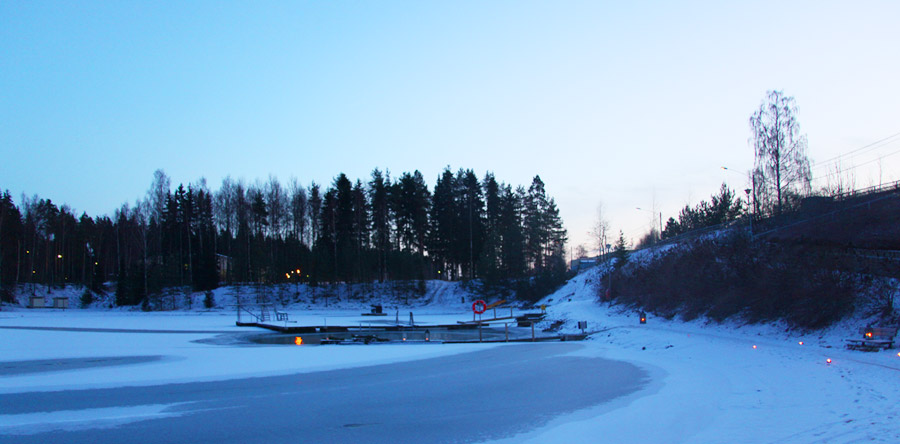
[384,229]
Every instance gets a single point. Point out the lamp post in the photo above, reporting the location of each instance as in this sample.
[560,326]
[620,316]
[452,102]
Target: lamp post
[295,276]
[751,196]
[660,220]
[609,273]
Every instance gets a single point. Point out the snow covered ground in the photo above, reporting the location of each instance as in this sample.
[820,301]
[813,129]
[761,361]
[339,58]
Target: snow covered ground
[730,383]
[709,383]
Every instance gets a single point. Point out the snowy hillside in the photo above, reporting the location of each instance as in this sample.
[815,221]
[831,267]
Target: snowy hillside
[730,382]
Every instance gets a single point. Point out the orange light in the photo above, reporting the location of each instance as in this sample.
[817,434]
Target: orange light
[868,334]
[754,347]
[298,340]
[828,361]
[801,342]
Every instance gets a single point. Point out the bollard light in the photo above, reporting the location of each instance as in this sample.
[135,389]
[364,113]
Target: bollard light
[754,347]
[298,340]
[801,342]
[828,361]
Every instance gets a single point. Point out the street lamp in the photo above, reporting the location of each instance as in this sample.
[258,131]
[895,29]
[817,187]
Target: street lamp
[295,275]
[660,220]
[609,272]
[751,195]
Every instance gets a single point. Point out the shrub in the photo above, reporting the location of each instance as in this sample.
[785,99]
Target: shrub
[728,276]
[87,298]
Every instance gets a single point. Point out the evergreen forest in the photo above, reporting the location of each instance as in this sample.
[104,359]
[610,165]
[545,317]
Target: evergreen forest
[381,229]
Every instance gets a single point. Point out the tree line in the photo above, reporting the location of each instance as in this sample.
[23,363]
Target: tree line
[193,238]
[721,208]
[780,178]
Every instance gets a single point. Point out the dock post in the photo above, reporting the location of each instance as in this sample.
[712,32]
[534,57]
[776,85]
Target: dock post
[507,331]
[479,332]
[532,332]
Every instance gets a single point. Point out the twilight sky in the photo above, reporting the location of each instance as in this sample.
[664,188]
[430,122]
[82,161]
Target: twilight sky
[628,104]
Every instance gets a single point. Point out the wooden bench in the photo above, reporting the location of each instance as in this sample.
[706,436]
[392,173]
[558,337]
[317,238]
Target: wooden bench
[874,339]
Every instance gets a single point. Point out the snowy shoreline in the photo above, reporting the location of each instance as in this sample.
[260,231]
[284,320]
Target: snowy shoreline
[708,381]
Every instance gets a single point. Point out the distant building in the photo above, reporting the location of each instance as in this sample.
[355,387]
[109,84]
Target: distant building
[579,264]
[223,264]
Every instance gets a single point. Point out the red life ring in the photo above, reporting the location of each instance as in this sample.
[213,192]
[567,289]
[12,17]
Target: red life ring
[476,304]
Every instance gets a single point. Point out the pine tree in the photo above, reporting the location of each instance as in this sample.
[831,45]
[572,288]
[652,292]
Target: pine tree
[11,233]
[471,220]
[537,232]
[413,203]
[443,219]
[298,211]
[381,219]
[513,239]
[361,226]
[620,251]
[314,211]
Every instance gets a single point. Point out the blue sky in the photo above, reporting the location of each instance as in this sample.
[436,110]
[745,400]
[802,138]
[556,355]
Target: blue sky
[629,104]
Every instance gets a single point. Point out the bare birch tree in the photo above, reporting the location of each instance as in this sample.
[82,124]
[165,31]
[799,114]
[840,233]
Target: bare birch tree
[781,164]
[600,231]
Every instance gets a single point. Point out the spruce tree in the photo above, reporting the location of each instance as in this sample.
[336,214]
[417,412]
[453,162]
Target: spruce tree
[381,219]
[443,218]
[620,251]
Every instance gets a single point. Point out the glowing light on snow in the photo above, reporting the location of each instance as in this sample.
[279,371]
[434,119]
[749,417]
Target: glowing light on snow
[801,343]
[754,347]
[298,340]
[828,361]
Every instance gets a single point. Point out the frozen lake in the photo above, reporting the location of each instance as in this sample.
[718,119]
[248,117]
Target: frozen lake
[487,394]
